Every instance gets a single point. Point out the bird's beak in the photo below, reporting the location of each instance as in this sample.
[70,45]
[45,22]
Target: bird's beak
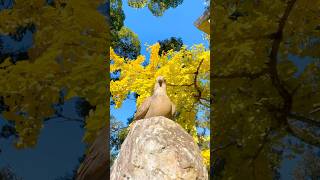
[160,82]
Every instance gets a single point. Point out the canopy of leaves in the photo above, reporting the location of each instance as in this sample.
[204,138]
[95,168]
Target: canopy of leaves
[117,15]
[157,7]
[261,95]
[68,53]
[128,44]
[187,74]
[170,43]
[125,42]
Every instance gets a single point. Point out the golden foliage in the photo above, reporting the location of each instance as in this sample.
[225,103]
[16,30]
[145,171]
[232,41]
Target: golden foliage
[187,74]
[68,53]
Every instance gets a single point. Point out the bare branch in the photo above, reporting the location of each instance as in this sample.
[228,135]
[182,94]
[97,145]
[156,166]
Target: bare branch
[315,110]
[205,99]
[65,118]
[241,75]
[224,146]
[300,117]
[294,91]
[304,135]
[207,105]
[265,140]
[273,71]
[195,80]
[179,84]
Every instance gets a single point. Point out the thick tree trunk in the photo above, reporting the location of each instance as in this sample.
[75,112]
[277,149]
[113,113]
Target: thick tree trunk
[158,148]
[96,164]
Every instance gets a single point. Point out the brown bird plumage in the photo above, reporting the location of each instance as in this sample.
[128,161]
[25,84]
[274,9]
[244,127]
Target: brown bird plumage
[159,104]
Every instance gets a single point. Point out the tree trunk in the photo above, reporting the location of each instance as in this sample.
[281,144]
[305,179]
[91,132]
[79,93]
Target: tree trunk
[96,164]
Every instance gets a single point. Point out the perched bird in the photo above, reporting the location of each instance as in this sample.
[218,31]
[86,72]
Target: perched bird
[159,104]
[96,164]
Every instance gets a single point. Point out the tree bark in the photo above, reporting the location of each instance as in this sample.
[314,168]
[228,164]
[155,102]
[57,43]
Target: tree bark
[96,164]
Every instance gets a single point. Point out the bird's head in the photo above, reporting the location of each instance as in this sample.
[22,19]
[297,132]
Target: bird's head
[161,81]
[160,86]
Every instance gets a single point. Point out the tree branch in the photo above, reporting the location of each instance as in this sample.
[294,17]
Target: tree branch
[304,135]
[275,79]
[58,115]
[206,105]
[241,75]
[300,117]
[179,84]
[224,146]
[205,99]
[262,145]
[195,80]
[198,96]
[316,108]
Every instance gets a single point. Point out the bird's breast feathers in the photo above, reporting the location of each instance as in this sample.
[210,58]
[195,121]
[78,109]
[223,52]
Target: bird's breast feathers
[160,106]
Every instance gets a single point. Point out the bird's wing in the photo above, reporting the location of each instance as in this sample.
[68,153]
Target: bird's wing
[173,110]
[143,109]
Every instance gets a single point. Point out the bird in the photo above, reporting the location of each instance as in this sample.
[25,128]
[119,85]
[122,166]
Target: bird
[159,104]
[95,164]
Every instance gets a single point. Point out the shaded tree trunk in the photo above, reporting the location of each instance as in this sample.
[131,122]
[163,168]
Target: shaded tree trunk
[96,164]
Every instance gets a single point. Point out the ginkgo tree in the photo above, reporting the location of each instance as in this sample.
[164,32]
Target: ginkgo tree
[187,74]
[67,55]
[266,83]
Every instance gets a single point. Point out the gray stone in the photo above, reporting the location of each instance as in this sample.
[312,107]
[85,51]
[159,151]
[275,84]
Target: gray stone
[158,148]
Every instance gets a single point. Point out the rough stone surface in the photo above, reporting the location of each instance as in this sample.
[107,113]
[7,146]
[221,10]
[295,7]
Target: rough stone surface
[157,148]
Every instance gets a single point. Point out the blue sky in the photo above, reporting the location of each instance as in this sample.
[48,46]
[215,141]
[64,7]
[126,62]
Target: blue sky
[177,22]
[58,149]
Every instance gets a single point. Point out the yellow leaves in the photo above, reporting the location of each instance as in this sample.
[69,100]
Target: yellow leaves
[154,57]
[140,59]
[11,116]
[118,61]
[28,128]
[194,135]
[6,63]
[178,68]
[67,52]
[206,157]
[95,121]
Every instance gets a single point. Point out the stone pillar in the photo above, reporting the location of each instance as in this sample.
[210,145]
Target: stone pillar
[158,148]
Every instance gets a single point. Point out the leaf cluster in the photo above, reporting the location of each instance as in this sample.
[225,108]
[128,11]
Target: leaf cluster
[68,54]
[157,7]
